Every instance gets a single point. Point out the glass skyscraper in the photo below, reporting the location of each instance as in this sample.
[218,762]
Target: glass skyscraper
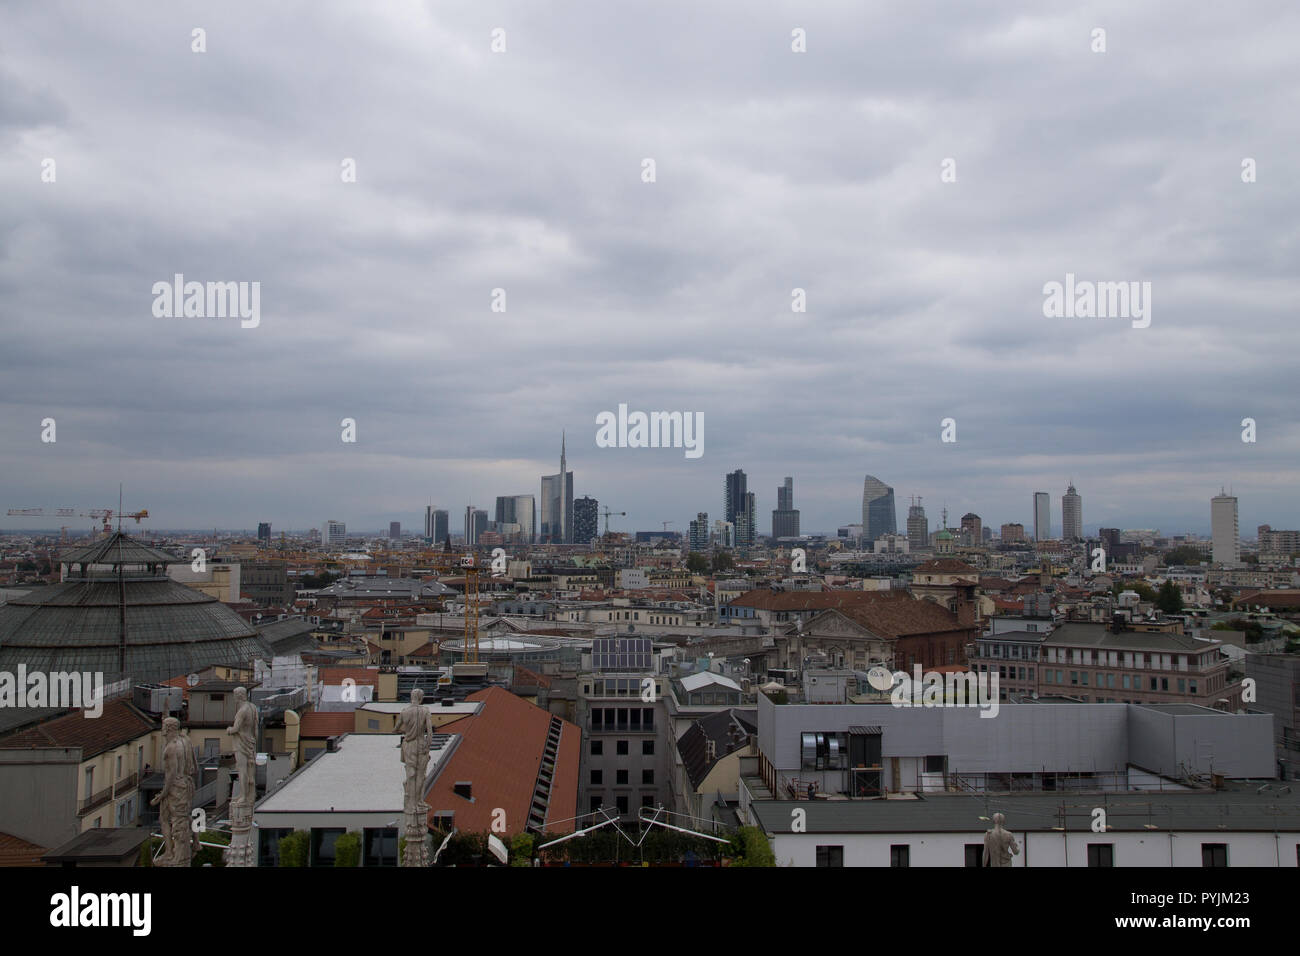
[879,516]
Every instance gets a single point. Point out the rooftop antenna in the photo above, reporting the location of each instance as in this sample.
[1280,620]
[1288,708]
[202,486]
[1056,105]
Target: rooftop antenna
[119,507]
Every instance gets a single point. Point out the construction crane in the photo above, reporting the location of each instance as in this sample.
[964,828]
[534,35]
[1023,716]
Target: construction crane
[103,514]
[667,523]
[607,513]
[470,570]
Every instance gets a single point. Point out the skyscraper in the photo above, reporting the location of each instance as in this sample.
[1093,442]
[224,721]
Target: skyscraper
[699,535]
[747,522]
[394,530]
[557,503]
[565,523]
[918,526]
[475,524]
[1223,529]
[333,533]
[733,494]
[505,510]
[785,519]
[879,515]
[972,530]
[1071,515]
[264,531]
[435,524]
[525,512]
[586,519]
[1042,516]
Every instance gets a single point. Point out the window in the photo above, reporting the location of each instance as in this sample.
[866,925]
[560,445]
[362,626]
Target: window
[622,806]
[380,846]
[1214,854]
[322,845]
[1101,854]
[900,855]
[974,854]
[594,804]
[648,777]
[620,777]
[372,724]
[647,800]
[647,748]
[597,747]
[830,856]
[935,764]
[596,778]
[620,748]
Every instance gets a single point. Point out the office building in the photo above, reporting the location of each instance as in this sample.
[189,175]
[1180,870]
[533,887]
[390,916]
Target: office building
[627,740]
[435,524]
[972,530]
[475,524]
[699,532]
[264,532]
[586,520]
[1071,515]
[746,522]
[878,513]
[785,519]
[333,534]
[557,503]
[1223,529]
[1042,516]
[394,530]
[733,499]
[918,526]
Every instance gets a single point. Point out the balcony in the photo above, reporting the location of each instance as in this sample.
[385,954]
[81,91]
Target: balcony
[97,800]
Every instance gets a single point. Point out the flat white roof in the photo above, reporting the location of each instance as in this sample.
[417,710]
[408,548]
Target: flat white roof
[364,775]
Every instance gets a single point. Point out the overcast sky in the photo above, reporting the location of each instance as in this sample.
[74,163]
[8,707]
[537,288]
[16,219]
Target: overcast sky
[775,170]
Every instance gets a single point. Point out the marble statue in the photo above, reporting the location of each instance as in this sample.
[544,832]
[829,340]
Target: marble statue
[999,844]
[416,727]
[175,798]
[244,731]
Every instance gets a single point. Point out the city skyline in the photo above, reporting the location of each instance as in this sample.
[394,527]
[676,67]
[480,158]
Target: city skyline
[679,291]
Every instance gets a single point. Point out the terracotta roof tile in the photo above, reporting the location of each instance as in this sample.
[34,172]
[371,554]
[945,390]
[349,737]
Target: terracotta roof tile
[359,675]
[119,723]
[499,753]
[16,852]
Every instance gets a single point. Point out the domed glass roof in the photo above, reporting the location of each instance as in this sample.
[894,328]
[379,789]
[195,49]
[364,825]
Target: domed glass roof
[117,613]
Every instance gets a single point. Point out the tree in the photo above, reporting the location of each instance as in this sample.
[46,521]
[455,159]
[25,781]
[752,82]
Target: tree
[697,562]
[751,847]
[722,561]
[1170,598]
[1186,554]
[295,848]
[347,849]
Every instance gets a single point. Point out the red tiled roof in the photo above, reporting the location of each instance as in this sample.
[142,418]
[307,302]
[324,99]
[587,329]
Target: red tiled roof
[359,675]
[120,723]
[16,852]
[941,565]
[1281,597]
[895,614]
[327,723]
[499,754]
[427,649]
